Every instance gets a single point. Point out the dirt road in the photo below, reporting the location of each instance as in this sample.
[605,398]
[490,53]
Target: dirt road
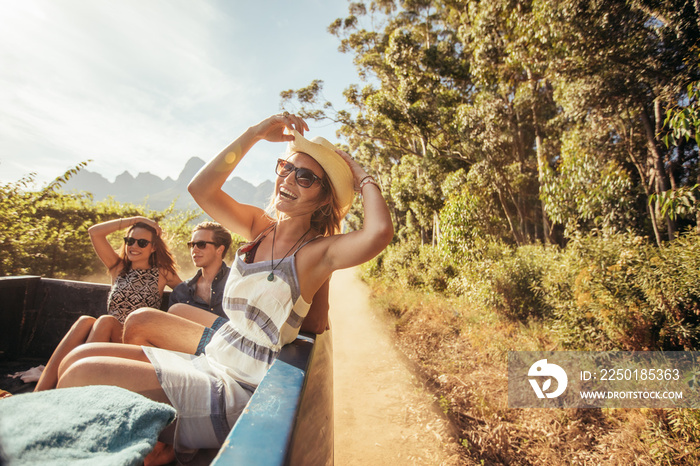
[382,413]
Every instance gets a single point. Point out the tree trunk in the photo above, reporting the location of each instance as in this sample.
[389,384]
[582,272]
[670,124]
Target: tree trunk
[504,206]
[541,164]
[656,164]
[541,159]
[436,229]
[504,189]
[646,184]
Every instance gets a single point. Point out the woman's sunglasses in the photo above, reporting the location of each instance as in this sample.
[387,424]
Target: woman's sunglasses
[129,241]
[199,244]
[303,176]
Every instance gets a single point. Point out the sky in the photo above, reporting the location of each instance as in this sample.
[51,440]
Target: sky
[145,85]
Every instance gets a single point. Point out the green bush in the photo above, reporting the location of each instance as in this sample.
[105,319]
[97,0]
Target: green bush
[670,280]
[466,219]
[502,278]
[670,432]
[410,264]
[621,292]
[516,276]
[602,292]
[44,231]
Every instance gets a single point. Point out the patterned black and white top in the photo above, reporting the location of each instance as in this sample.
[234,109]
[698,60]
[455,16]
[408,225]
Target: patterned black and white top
[137,289]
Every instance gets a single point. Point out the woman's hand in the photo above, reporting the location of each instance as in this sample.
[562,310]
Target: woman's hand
[273,128]
[207,185]
[153,224]
[358,173]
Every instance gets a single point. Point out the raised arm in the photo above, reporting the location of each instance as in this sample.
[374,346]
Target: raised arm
[206,186]
[377,231]
[99,232]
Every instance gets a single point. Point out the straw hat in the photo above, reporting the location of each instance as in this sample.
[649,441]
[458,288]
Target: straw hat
[337,169]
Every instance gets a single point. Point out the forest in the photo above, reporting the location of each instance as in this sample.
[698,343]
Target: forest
[540,160]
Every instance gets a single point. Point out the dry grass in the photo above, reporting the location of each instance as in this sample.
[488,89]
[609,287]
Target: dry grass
[461,356]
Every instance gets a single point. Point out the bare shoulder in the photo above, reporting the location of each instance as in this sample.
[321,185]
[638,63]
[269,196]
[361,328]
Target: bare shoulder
[318,245]
[261,222]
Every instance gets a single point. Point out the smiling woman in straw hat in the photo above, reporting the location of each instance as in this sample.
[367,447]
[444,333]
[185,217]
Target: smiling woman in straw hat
[278,279]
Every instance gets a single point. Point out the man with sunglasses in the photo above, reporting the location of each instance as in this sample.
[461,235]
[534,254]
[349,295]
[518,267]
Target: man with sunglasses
[208,247]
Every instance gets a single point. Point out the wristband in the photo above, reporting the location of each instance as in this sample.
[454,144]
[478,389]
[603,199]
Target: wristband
[360,184]
[368,180]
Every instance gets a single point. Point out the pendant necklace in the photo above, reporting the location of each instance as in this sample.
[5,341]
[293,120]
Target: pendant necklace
[271,277]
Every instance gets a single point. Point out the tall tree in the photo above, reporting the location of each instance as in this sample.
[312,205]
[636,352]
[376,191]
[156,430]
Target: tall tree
[618,64]
[521,92]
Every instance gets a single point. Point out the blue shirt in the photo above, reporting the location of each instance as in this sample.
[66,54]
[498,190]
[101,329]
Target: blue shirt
[186,292]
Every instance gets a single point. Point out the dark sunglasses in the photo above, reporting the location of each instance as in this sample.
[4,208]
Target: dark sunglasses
[129,241]
[199,244]
[303,176]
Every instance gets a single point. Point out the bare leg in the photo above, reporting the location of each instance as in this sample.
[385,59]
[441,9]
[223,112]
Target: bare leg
[77,335]
[88,350]
[106,329]
[115,364]
[152,327]
[125,366]
[162,453]
[194,314]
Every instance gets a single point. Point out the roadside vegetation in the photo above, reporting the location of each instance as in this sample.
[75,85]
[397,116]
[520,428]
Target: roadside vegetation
[456,318]
[540,159]
[44,229]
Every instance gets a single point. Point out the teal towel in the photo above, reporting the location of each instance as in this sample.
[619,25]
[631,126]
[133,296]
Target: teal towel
[80,426]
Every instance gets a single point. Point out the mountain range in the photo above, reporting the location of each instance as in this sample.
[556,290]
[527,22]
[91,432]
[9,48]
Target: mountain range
[158,193]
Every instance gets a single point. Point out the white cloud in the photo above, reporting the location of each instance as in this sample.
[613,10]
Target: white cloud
[145,85]
[108,80]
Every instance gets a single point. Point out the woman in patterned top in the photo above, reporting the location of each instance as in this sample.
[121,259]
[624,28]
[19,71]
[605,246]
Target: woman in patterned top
[270,289]
[140,270]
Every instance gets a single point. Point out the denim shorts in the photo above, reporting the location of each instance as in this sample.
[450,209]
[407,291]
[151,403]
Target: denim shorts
[208,333]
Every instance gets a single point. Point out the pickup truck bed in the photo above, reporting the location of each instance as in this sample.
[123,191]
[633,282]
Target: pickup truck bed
[288,420]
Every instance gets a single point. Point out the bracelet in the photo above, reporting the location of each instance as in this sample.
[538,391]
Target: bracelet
[361,183]
[368,180]
[363,179]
